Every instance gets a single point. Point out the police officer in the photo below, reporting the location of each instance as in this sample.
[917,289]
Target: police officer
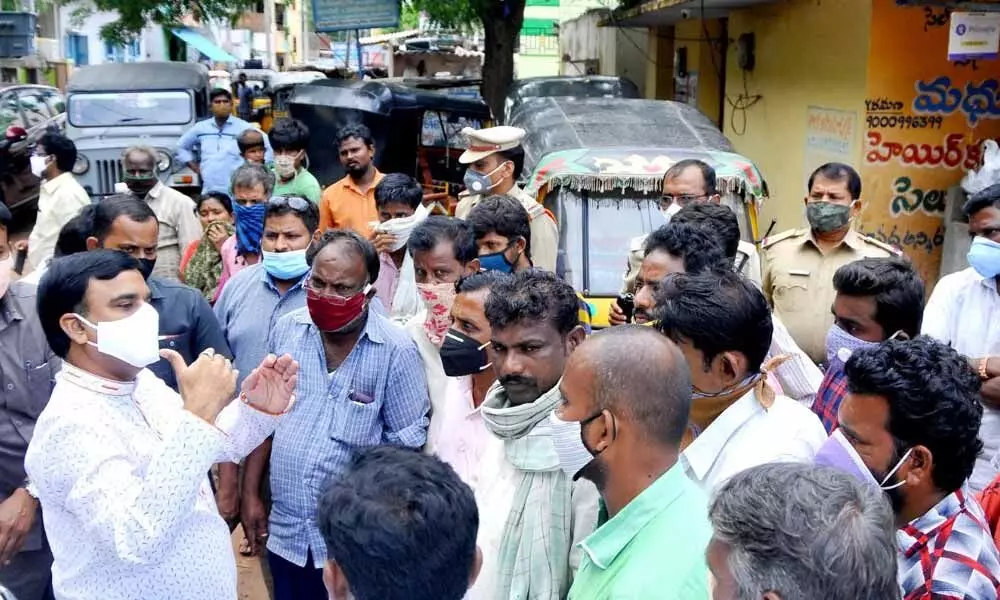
[798,265]
[495,160]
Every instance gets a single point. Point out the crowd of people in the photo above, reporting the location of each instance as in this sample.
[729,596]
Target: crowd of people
[395,404]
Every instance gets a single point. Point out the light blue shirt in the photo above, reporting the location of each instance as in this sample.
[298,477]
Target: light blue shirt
[378,395]
[219,152]
[248,309]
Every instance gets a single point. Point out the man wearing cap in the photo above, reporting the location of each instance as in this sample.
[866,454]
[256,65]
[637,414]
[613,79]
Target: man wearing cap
[495,160]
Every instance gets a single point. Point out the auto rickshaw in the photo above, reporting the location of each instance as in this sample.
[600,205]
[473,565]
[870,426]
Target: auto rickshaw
[416,131]
[598,163]
[113,106]
[260,81]
[280,91]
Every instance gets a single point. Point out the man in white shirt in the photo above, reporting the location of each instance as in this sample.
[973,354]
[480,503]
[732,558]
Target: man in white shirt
[179,225]
[722,324]
[465,359]
[529,507]
[691,243]
[60,197]
[964,312]
[118,460]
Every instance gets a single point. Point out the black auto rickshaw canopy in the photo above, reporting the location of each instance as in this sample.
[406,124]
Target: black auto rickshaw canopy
[572,86]
[416,131]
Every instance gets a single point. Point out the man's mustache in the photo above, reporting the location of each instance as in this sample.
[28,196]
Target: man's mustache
[517,380]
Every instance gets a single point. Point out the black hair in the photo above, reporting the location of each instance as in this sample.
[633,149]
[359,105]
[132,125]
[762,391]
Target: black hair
[480,281]
[309,215]
[716,311]
[838,172]
[694,245]
[356,131]
[220,197]
[5,216]
[982,199]
[215,93]
[112,207]
[246,140]
[895,286]
[502,215]
[720,221]
[349,238]
[61,148]
[398,188]
[707,173]
[63,288]
[288,134]
[516,156]
[655,391]
[401,525]
[533,295]
[73,235]
[437,229]
[933,397]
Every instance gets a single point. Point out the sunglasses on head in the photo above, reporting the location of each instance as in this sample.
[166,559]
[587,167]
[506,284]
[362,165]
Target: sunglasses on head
[294,202]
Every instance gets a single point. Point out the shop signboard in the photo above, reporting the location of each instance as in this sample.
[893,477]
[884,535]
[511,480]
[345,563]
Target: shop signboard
[925,120]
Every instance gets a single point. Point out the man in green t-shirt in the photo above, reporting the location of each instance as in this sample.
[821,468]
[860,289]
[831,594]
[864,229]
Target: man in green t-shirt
[289,139]
[620,426]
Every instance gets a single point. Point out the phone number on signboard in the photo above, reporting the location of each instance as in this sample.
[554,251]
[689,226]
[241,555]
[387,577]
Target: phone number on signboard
[904,122]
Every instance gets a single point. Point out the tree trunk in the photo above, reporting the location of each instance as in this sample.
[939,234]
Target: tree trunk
[501,28]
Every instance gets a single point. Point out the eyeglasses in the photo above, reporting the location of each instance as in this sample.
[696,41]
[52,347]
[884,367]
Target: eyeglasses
[682,200]
[297,203]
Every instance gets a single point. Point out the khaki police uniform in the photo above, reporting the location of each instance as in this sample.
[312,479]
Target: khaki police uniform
[747,261]
[544,231]
[798,281]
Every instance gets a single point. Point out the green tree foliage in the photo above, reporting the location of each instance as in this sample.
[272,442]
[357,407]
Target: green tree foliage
[135,15]
[501,22]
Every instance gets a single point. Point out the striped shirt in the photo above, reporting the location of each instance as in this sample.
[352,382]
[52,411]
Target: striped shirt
[378,395]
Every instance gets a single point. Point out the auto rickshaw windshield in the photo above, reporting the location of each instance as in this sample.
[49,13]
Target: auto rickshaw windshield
[139,108]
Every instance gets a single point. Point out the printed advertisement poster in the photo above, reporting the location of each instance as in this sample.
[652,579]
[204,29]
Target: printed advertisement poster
[925,121]
[829,138]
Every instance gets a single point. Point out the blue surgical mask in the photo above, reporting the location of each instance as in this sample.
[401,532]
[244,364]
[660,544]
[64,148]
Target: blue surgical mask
[984,257]
[285,265]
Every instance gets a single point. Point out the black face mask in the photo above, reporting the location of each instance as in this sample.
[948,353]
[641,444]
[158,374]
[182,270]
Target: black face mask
[146,266]
[462,355]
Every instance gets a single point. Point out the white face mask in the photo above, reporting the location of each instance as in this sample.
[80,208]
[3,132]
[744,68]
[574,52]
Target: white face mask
[133,340]
[5,274]
[38,165]
[284,165]
[669,212]
[401,229]
[567,437]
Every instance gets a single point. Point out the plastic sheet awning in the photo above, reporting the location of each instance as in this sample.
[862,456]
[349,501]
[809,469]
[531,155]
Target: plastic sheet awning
[204,45]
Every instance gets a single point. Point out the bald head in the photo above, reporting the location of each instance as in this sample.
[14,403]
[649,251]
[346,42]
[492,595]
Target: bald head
[639,373]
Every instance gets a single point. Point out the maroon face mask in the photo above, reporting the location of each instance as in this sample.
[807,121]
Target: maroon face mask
[333,313]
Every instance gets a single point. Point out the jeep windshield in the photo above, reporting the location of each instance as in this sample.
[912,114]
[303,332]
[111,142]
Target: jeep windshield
[114,109]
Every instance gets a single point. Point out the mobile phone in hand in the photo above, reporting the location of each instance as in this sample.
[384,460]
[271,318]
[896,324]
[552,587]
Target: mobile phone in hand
[19,260]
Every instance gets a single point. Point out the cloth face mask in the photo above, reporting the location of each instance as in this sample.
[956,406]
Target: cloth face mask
[133,340]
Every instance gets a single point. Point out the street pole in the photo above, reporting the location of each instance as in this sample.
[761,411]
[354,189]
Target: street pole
[305,33]
[269,28]
[357,38]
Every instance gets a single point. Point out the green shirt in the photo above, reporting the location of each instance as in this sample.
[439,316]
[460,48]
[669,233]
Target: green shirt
[654,547]
[303,184]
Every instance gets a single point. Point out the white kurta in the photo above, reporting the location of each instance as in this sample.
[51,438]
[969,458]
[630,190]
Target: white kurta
[121,473]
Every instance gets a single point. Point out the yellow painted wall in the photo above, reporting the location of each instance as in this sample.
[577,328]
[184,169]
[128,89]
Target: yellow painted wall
[809,53]
[691,34]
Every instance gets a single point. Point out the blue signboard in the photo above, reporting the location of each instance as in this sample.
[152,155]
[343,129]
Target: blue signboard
[341,15]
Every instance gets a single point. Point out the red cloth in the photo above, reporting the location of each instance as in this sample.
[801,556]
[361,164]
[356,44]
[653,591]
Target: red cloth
[186,258]
[989,499]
